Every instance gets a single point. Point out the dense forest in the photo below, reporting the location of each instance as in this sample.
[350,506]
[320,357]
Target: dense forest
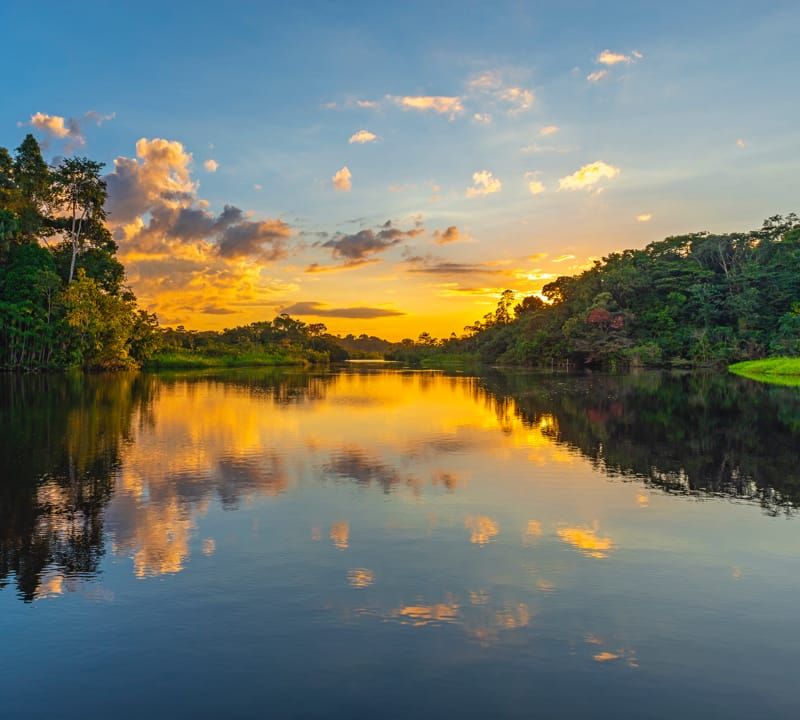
[691,300]
[63,301]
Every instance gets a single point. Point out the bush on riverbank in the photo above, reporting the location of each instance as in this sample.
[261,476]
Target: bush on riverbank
[178,360]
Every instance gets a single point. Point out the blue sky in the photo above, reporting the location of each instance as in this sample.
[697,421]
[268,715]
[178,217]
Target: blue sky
[692,115]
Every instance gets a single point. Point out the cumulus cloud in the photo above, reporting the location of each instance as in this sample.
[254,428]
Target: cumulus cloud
[317,309]
[548,130]
[211,165]
[482,118]
[536,187]
[596,76]
[450,235]
[181,257]
[266,239]
[57,127]
[441,104]
[362,137]
[343,180]
[644,217]
[483,183]
[365,243]
[157,186]
[158,176]
[588,175]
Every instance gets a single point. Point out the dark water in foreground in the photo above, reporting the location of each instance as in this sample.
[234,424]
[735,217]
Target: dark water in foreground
[394,544]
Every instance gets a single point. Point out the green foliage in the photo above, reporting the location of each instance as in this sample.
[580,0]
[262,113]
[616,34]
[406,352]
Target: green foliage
[692,300]
[777,370]
[281,341]
[100,325]
[62,295]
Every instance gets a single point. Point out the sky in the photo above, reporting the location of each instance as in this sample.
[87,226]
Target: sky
[392,168]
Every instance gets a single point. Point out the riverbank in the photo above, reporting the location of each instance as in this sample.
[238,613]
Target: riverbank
[778,371]
[186,360]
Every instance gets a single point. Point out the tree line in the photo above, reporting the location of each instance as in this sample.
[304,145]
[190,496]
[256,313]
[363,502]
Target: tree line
[691,300]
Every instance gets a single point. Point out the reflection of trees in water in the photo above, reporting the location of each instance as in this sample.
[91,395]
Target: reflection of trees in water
[281,386]
[61,443]
[59,449]
[684,433]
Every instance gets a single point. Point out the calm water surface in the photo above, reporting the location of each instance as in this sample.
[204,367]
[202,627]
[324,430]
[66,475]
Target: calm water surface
[384,543]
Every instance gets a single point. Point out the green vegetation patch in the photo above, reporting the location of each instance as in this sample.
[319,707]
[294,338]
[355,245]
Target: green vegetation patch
[197,360]
[778,370]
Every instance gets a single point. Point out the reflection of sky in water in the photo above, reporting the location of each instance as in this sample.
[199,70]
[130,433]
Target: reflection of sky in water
[408,526]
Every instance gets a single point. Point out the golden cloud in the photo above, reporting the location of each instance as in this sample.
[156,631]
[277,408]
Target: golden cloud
[483,183]
[450,235]
[588,175]
[441,104]
[342,180]
[362,137]
[607,57]
[54,125]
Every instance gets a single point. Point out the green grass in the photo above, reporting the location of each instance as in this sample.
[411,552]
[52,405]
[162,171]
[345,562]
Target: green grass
[778,370]
[183,360]
[449,361]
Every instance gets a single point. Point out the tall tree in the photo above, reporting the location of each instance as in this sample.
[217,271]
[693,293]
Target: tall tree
[79,191]
[31,180]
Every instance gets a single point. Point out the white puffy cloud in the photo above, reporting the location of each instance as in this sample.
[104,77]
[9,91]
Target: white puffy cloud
[362,137]
[483,183]
[211,165]
[536,187]
[548,130]
[588,175]
[597,76]
[343,180]
[60,128]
